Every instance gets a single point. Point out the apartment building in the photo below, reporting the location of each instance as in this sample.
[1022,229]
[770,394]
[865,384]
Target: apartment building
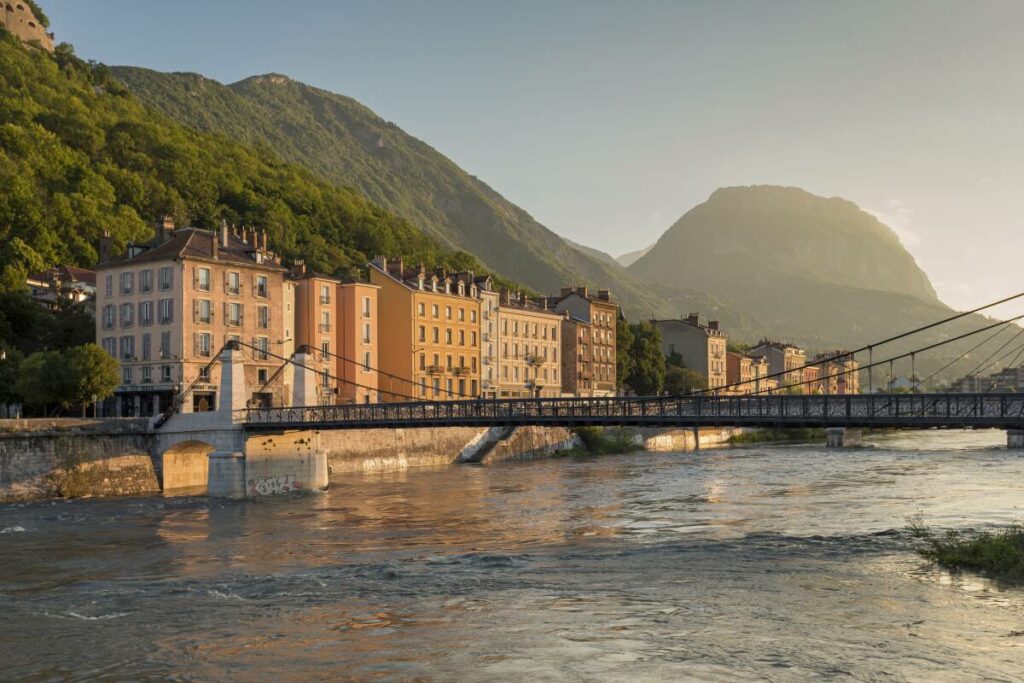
[337,322]
[747,374]
[528,343]
[166,308]
[489,345]
[702,348]
[784,361]
[838,373]
[596,317]
[429,329]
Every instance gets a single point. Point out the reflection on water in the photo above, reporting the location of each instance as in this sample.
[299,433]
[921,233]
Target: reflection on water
[776,563]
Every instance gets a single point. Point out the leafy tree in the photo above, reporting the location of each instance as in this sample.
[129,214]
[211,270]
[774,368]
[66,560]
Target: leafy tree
[91,372]
[647,377]
[43,381]
[623,351]
[680,380]
[9,376]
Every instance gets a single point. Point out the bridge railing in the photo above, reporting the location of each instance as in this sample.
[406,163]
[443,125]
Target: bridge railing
[864,409]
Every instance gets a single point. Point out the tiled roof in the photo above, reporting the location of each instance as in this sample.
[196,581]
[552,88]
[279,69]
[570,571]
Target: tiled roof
[194,243]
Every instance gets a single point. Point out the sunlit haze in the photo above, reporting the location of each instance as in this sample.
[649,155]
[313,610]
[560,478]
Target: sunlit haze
[608,121]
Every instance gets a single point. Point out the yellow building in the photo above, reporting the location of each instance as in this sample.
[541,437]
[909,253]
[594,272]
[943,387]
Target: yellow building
[429,328]
[528,348]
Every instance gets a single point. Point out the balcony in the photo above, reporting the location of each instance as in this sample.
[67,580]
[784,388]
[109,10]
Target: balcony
[325,327]
[460,371]
[325,299]
[435,369]
[486,360]
[535,361]
[485,336]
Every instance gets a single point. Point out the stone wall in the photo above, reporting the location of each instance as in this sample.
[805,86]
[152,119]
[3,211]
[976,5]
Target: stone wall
[48,458]
[527,443]
[284,463]
[668,440]
[375,450]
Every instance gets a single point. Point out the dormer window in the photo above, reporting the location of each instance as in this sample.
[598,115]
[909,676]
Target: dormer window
[462,289]
[256,256]
[135,250]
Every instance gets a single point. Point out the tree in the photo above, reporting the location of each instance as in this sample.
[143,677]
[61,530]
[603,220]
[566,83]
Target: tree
[91,372]
[9,364]
[623,351]
[647,377]
[680,380]
[43,380]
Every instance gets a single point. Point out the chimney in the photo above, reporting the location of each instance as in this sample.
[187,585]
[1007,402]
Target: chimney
[224,233]
[263,241]
[693,319]
[106,245]
[299,268]
[245,235]
[713,324]
[401,267]
[523,299]
[566,291]
[215,244]
[582,291]
[604,294]
[379,261]
[164,227]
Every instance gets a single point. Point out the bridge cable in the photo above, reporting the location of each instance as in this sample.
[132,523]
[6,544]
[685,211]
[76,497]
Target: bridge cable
[963,355]
[985,363]
[869,347]
[385,373]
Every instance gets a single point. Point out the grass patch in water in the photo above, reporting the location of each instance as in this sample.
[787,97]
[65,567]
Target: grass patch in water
[598,441]
[999,552]
[779,436]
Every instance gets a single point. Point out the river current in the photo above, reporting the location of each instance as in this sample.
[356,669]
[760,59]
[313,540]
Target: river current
[774,563]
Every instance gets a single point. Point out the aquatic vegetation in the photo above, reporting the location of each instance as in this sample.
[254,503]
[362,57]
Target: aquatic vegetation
[999,552]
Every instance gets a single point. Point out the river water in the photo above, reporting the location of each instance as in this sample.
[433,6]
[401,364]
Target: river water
[758,563]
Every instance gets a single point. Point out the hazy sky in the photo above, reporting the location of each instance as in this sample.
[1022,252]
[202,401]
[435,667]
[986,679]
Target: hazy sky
[607,121]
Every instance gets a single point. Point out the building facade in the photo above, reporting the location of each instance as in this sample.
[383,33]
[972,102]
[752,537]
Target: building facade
[702,348]
[528,349]
[577,363]
[838,373]
[429,327]
[167,307]
[785,363]
[600,313]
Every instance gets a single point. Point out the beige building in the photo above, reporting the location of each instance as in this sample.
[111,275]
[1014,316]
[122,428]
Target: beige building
[838,373]
[702,348]
[489,345]
[785,362]
[167,307]
[528,349]
[18,19]
[429,326]
[592,366]
[337,322]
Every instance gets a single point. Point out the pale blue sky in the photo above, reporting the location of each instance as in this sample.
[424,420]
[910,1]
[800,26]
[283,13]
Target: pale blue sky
[607,121]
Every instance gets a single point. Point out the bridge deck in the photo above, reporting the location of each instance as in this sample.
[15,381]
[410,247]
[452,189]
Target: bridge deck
[1005,411]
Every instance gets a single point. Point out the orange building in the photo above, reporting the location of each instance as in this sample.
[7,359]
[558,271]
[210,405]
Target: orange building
[429,333]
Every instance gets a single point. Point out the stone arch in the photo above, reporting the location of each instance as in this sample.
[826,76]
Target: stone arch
[185,465]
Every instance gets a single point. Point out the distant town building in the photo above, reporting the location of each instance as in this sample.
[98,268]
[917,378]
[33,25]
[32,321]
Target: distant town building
[748,374]
[19,20]
[592,344]
[784,362]
[528,348]
[702,348]
[838,373]
[165,309]
[63,284]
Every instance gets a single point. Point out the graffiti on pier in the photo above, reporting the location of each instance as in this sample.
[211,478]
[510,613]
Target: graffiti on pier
[270,486]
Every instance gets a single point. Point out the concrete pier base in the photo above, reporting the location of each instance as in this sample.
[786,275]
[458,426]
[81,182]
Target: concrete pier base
[1015,438]
[842,437]
[226,475]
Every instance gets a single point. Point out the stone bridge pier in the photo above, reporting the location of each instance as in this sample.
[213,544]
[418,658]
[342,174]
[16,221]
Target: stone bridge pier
[212,449]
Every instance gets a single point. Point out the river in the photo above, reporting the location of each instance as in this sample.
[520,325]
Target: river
[772,563]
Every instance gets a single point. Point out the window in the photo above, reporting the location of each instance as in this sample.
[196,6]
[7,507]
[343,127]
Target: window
[262,345]
[109,316]
[436,336]
[146,344]
[203,279]
[462,337]
[423,387]
[325,379]
[204,311]
[110,346]
[448,336]
[146,281]
[203,344]
[325,321]
[448,387]
[204,372]
[366,361]
[448,362]
[263,317]
[233,314]
[166,278]
[448,312]
[261,375]
[128,347]
[325,294]
[147,374]
[233,285]
[472,316]
[423,361]
[165,344]
[127,314]
[366,333]
[262,291]
[366,307]
[462,315]
[165,373]
[472,338]
[108,285]
[423,333]
[146,312]
[434,310]
[126,375]
[127,283]
[437,386]
[165,314]
[421,308]
[325,349]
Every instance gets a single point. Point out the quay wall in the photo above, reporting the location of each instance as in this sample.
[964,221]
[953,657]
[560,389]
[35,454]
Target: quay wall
[71,458]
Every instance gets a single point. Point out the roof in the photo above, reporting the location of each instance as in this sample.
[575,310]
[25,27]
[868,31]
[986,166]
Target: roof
[66,274]
[195,243]
[706,329]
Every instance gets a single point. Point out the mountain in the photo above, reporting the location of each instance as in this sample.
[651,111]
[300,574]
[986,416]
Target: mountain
[629,258]
[813,270]
[345,142]
[80,155]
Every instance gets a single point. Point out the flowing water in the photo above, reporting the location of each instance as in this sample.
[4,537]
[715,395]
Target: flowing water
[759,563]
